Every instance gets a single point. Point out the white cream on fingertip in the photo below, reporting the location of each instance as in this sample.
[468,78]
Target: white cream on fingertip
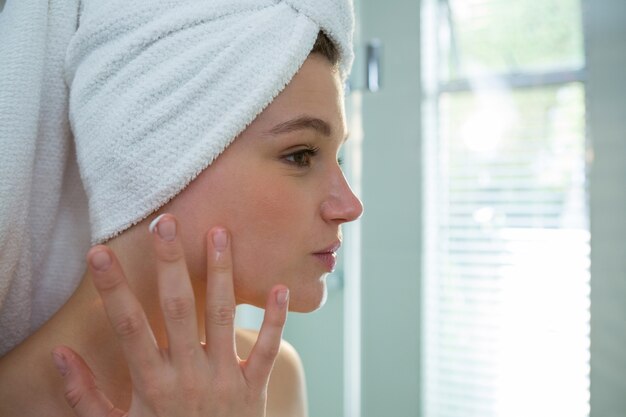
[154,223]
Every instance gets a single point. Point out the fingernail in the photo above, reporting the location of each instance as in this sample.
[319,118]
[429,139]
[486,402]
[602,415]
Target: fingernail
[60,362]
[101,261]
[281,297]
[220,240]
[166,229]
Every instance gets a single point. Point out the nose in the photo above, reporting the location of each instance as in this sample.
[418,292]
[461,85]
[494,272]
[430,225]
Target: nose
[341,204]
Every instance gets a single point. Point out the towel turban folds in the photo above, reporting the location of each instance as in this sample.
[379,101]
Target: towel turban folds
[159,88]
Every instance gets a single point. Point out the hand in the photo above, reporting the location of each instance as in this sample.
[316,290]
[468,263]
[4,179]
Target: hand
[186,379]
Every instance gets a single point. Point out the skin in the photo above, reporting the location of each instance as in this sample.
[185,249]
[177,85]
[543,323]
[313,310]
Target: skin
[281,211]
[280,203]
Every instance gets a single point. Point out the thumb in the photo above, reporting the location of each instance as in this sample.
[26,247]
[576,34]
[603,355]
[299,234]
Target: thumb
[81,391]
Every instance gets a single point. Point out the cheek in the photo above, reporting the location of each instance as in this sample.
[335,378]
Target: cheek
[272,220]
[267,223]
[270,237]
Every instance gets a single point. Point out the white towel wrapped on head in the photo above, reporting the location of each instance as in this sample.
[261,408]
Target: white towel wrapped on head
[159,88]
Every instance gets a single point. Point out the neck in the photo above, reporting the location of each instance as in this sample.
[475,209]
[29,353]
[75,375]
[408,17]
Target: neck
[31,384]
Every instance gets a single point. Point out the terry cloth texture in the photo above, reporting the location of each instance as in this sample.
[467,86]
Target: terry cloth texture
[44,227]
[160,88]
[155,90]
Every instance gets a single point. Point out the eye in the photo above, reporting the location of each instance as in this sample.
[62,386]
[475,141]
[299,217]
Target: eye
[301,158]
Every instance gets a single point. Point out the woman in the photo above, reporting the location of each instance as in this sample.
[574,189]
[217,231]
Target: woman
[275,197]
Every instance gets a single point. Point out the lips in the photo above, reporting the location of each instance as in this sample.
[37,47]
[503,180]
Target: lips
[328,256]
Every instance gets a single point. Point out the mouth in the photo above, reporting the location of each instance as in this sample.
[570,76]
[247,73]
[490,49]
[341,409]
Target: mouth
[328,256]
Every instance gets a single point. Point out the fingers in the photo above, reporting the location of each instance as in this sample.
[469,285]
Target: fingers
[81,392]
[261,359]
[220,299]
[125,314]
[175,290]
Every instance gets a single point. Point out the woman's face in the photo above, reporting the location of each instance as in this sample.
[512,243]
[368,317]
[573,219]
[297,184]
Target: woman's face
[280,191]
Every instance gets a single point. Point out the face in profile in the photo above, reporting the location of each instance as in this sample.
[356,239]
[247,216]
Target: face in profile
[281,192]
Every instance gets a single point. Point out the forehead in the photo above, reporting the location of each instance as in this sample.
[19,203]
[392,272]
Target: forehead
[315,91]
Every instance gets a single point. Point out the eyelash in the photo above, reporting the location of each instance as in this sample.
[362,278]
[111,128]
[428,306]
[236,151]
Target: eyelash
[294,158]
[308,153]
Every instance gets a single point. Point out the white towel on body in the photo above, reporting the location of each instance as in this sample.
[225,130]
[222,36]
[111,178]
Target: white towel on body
[44,229]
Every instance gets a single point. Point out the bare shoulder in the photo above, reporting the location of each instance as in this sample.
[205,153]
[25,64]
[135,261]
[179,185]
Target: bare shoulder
[286,394]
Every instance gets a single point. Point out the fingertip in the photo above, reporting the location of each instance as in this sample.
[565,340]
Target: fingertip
[164,227]
[153,224]
[218,247]
[65,351]
[281,295]
[65,359]
[278,294]
[59,358]
[80,389]
[279,287]
[104,268]
[278,304]
[99,258]
[220,238]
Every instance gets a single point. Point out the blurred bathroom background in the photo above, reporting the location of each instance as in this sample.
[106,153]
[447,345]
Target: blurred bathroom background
[487,276]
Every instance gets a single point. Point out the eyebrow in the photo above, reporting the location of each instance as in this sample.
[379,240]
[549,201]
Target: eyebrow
[302,123]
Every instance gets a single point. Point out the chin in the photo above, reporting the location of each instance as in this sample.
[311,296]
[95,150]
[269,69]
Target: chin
[297,304]
[305,295]
[307,301]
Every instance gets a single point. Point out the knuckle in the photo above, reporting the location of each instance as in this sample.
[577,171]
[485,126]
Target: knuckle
[108,282]
[190,395]
[179,307]
[190,390]
[155,385]
[127,325]
[270,352]
[183,388]
[114,412]
[277,320]
[73,396]
[222,266]
[256,395]
[225,387]
[170,252]
[221,315]
[153,391]
[281,321]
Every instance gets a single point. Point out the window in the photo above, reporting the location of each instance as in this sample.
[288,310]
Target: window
[506,308]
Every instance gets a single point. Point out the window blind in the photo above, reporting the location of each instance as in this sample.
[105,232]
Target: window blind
[506,308]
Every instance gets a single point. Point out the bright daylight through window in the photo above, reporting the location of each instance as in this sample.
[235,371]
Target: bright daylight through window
[506,308]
